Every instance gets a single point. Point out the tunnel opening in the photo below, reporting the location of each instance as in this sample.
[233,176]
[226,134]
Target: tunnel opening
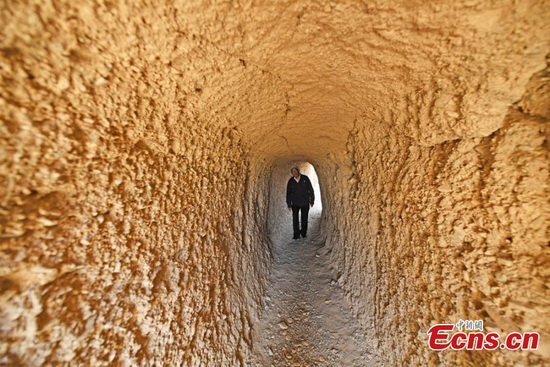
[306,319]
[279,216]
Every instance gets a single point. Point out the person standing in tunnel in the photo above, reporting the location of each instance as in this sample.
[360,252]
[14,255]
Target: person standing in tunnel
[299,197]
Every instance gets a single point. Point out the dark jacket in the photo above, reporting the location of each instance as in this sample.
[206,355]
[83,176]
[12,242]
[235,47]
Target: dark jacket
[299,193]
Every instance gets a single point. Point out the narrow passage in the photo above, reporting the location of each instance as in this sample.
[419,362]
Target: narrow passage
[307,320]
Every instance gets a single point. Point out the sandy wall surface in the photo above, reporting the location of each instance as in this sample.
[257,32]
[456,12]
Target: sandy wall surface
[453,231]
[138,143]
[127,234]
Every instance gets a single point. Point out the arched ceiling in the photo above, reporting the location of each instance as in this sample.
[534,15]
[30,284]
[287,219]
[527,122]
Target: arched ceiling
[436,70]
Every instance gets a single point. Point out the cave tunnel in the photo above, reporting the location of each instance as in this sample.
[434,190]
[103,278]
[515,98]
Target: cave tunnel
[145,149]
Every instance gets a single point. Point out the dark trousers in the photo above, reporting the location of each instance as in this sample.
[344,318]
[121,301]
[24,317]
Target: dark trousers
[295,224]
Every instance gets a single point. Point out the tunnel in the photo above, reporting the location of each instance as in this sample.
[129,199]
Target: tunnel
[145,150]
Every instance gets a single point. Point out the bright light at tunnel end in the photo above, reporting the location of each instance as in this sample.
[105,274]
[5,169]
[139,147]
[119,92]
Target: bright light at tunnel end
[309,170]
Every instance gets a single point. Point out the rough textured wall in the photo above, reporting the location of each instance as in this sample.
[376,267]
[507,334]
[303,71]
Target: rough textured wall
[458,230]
[127,234]
[137,138]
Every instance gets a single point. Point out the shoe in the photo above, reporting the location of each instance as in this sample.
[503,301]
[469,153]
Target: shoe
[304,236]
[295,238]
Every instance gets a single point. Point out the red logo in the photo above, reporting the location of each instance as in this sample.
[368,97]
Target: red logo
[441,337]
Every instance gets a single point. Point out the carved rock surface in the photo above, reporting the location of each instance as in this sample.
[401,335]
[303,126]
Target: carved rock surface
[138,142]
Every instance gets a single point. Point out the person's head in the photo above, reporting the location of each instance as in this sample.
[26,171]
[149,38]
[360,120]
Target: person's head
[295,171]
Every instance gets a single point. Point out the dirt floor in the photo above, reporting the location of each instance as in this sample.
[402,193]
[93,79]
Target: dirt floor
[307,320]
